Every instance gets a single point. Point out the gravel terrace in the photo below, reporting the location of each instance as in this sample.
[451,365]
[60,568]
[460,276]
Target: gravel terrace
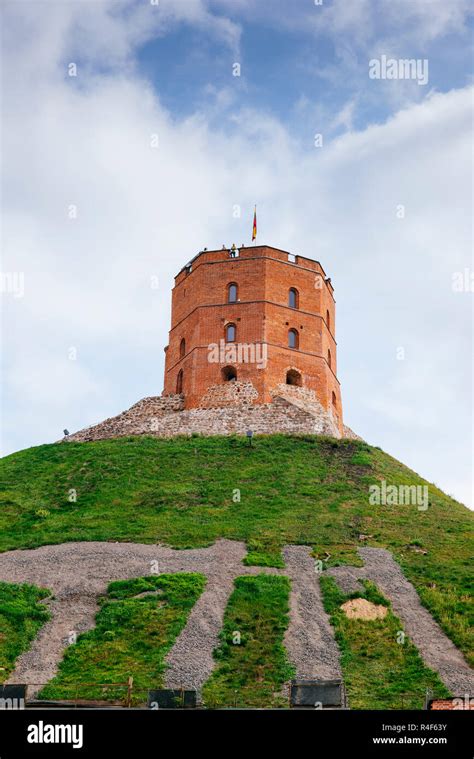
[77,573]
[309,638]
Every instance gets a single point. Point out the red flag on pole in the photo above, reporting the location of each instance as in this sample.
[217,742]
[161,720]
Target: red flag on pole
[254,228]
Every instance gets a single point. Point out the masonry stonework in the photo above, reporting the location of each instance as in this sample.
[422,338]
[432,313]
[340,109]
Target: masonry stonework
[150,417]
[231,319]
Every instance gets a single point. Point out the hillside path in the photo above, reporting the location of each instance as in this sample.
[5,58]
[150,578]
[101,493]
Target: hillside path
[309,638]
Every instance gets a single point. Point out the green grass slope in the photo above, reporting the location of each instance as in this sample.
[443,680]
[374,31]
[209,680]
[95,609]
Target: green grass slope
[380,669]
[252,665]
[21,617]
[187,492]
[137,625]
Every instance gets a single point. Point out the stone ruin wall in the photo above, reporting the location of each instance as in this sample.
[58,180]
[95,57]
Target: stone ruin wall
[293,411]
[229,393]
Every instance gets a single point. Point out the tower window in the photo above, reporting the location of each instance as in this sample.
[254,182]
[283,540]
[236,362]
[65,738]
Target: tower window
[334,400]
[182,348]
[229,374]
[293,338]
[328,320]
[232,292]
[293,298]
[329,358]
[179,382]
[230,332]
[294,378]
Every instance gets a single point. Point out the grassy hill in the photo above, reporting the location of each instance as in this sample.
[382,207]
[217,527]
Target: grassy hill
[187,492]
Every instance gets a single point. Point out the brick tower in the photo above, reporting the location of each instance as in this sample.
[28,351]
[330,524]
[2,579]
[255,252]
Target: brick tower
[249,325]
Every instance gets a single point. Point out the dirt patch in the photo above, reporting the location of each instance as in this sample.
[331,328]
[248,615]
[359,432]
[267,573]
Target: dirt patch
[417,549]
[147,594]
[360,608]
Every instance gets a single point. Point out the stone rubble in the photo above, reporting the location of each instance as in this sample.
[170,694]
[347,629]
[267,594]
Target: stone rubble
[165,417]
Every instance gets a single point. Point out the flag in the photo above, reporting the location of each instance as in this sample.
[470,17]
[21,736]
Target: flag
[254,228]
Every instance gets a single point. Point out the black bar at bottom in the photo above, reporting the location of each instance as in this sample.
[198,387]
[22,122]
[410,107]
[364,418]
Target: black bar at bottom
[125,733]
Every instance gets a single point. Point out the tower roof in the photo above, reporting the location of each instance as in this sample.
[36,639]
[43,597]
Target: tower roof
[252,251]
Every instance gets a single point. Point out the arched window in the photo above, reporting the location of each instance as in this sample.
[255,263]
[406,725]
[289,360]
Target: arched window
[230,332]
[232,292]
[182,348]
[293,338]
[329,358]
[293,298]
[328,320]
[334,400]
[229,374]
[179,382]
[293,378]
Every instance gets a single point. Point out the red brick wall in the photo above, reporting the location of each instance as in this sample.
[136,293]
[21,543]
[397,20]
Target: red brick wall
[264,276]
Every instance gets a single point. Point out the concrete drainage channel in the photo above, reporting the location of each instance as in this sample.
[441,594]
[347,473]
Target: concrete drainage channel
[78,573]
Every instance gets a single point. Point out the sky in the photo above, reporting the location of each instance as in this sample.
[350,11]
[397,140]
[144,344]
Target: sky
[137,132]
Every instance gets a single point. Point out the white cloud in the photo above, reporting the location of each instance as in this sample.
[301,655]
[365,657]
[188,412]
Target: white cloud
[357,23]
[143,212]
[419,20]
[347,35]
[101,33]
[427,21]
